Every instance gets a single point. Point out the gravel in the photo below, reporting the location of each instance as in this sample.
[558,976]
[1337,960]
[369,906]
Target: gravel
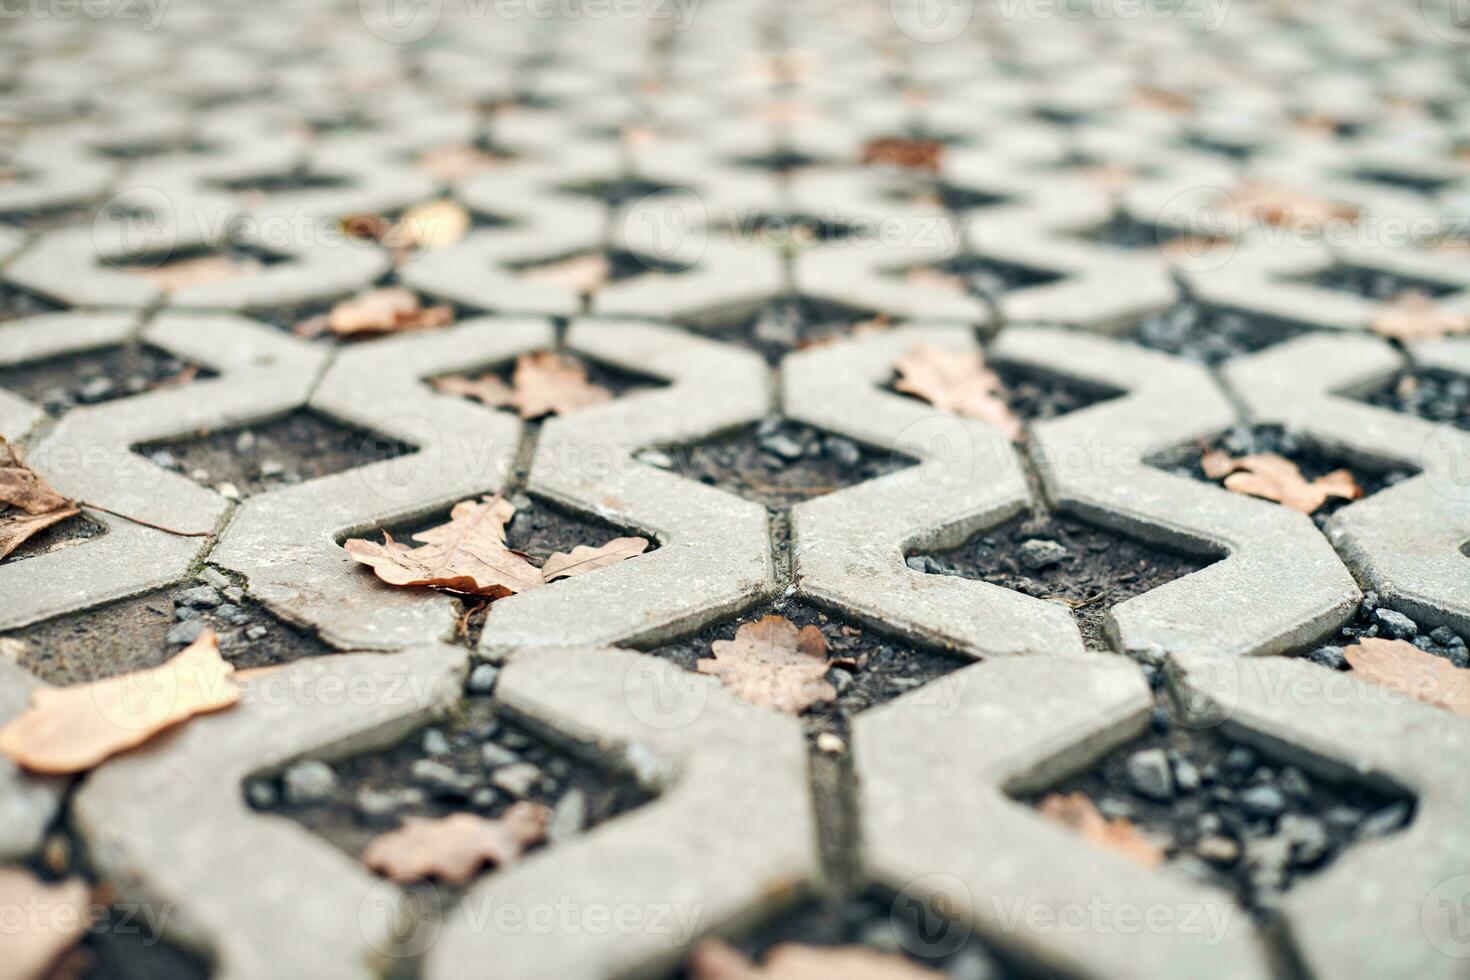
[308,782]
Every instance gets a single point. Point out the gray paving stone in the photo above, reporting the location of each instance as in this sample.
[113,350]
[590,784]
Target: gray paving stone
[727,843]
[257,894]
[850,545]
[39,337]
[928,777]
[28,803]
[1406,542]
[714,552]
[1277,585]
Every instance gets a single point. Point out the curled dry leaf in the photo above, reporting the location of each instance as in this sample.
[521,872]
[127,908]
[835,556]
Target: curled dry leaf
[454,849]
[1078,811]
[71,729]
[378,311]
[773,664]
[715,960]
[28,504]
[467,555]
[1277,478]
[173,276]
[1401,666]
[457,161]
[59,916]
[585,558]
[911,154]
[1282,206]
[580,273]
[544,383]
[1415,316]
[957,382]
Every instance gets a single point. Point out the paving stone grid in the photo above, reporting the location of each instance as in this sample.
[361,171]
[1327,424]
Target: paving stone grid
[1081,228]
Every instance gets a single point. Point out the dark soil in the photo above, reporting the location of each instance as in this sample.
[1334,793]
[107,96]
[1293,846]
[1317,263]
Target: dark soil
[1376,283]
[896,925]
[1125,231]
[300,446]
[68,533]
[1036,396]
[1239,152]
[39,220]
[1246,440]
[1373,620]
[778,463]
[374,793]
[126,944]
[1100,568]
[991,278]
[16,303]
[133,152]
[133,634]
[615,193]
[779,161]
[1211,335]
[91,378]
[1438,396]
[1233,817]
[888,667]
[958,199]
[298,180]
[785,325]
[792,230]
[1417,183]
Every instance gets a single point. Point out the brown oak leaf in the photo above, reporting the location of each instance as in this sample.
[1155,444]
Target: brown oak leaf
[467,555]
[549,384]
[1277,478]
[378,311]
[173,276]
[71,729]
[454,849]
[585,558]
[60,915]
[1076,810]
[487,389]
[773,664]
[716,960]
[1415,316]
[911,154]
[957,382]
[579,273]
[1403,667]
[28,505]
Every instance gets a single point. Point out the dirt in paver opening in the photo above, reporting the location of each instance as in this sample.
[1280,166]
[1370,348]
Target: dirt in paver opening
[1416,182]
[1212,335]
[615,193]
[1125,231]
[1377,284]
[621,265]
[1375,620]
[1036,395]
[127,943]
[1231,816]
[94,377]
[1082,567]
[1438,396]
[476,761]
[778,463]
[896,925]
[38,220]
[992,278]
[1273,439]
[791,323]
[778,161]
[16,303]
[1239,152]
[149,630]
[67,534]
[302,445]
[887,667]
[288,182]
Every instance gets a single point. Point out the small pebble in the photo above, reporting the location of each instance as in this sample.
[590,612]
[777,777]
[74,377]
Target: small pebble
[185,633]
[517,779]
[1149,775]
[843,452]
[1263,802]
[1217,850]
[256,633]
[261,794]
[482,679]
[1038,553]
[442,780]
[1395,625]
[657,458]
[308,782]
[434,742]
[831,744]
[199,597]
[494,756]
[569,816]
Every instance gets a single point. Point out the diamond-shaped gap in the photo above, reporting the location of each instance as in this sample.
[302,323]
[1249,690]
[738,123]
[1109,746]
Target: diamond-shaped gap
[1123,230]
[93,377]
[1378,284]
[616,381]
[126,941]
[1060,558]
[619,191]
[478,762]
[1234,816]
[779,161]
[284,182]
[777,463]
[301,320]
[132,151]
[1058,116]
[1429,393]
[37,220]
[16,303]
[790,323]
[1034,394]
[1230,150]
[148,630]
[1313,462]
[174,269]
[789,231]
[917,934]
[1373,620]
[983,276]
[1211,335]
[240,461]
[1403,180]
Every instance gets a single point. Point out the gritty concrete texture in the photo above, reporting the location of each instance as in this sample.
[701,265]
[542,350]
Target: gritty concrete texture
[28,803]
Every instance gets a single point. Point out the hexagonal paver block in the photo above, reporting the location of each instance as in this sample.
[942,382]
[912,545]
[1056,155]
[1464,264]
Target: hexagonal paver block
[28,803]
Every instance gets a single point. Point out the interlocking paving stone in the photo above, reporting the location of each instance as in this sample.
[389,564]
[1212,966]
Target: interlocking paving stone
[28,803]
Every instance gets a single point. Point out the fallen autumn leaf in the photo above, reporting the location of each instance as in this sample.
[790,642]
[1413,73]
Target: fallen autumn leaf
[1077,811]
[957,382]
[773,664]
[1415,316]
[59,921]
[28,505]
[1401,666]
[1273,477]
[453,849]
[585,558]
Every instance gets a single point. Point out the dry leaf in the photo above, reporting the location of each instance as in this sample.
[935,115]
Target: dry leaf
[71,729]
[1281,206]
[28,505]
[1161,100]
[173,276]
[467,555]
[1401,666]
[585,558]
[773,664]
[1217,463]
[549,384]
[957,382]
[1415,316]
[935,279]
[378,311]
[432,225]
[715,960]
[1277,478]
[454,849]
[1077,811]
[372,227]
[580,273]
[911,154]
[457,162]
[51,920]
[487,389]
